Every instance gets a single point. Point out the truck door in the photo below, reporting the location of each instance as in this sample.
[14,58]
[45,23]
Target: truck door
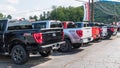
[1,41]
[2,22]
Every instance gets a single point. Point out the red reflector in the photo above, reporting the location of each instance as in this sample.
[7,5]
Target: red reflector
[38,37]
[64,24]
[79,33]
[63,35]
[112,29]
[100,29]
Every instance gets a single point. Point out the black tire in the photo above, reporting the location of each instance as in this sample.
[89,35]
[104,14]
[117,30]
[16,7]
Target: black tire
[19,55]
[109,34]
[103,38]
[77,45]
[98,39]
[45,53]
[108,37]
[65,47]
[115,34]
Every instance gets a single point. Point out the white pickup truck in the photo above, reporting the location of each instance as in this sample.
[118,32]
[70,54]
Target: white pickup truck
[103,30]
[87,31]
[73,36]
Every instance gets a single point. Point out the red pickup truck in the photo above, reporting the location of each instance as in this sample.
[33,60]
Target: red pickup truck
[95,31]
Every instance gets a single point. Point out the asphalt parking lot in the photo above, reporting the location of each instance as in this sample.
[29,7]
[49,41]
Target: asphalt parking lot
[99,54]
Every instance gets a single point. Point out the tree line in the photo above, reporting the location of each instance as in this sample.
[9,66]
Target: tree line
[107,11]
[61,13]
[76,13]
[5,17]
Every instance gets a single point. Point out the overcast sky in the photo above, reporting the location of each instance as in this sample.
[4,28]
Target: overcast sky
[25,8]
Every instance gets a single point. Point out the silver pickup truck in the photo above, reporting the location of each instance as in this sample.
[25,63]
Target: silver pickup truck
[73,36]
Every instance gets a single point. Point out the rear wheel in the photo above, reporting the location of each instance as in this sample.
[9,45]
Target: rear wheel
[104,37]
[66,47]
[108,36]
[19,55]
[45,53]
[115,34]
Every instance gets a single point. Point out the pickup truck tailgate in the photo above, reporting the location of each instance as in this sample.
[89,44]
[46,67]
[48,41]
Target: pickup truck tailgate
[104,31]
[52,35]
[87,32]
[49,36]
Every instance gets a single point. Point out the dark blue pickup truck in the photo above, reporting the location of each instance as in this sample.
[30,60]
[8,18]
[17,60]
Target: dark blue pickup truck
[18,39]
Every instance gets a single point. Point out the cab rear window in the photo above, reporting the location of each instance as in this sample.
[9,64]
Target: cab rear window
[55,25]
[79,25]
[39,25]
[20,27]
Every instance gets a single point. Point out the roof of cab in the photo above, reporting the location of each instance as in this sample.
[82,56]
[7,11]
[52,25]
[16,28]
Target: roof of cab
[46,21]
[18,23]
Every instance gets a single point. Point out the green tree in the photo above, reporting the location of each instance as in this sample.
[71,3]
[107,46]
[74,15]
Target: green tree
[1,16]
[30,17]
[35,17]
[69,13]
[41,17]
[9,17]
[48,15]
[44,15]
[105,11]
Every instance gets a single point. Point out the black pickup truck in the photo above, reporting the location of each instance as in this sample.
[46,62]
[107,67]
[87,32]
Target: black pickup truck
[18,39]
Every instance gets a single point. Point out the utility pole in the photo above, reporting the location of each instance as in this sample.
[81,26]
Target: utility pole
[115,14]
[89,11]
[92,13]
[115,19]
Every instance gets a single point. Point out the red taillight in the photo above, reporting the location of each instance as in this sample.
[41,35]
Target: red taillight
[64,25]
[38,37]
[79,33]
[63,35]
[112,29]
[100,29]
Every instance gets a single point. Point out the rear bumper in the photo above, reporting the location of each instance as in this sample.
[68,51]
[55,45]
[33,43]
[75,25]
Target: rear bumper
[96,37]
[37,47]
[54,46]
[86,40]
[103,34]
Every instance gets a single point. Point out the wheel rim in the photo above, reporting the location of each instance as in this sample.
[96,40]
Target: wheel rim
[18,55]
[45,52]
[65,46]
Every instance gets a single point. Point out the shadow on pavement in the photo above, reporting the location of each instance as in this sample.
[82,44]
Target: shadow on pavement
[86,45]
[109,39]
[74,51]
[96,41]
[6,62]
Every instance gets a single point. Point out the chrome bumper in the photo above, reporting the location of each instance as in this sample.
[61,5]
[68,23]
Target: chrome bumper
[54,45]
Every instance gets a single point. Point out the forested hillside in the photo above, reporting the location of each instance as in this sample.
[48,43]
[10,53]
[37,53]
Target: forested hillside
[106,11]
